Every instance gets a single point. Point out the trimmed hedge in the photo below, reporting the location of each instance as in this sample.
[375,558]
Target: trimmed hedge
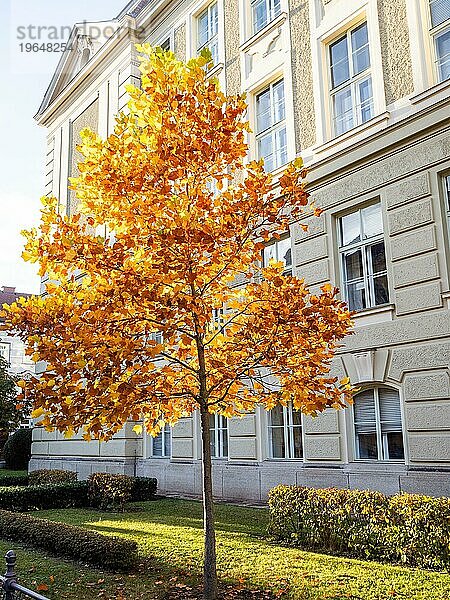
[17,450]
[109,492]
[37,497]
[405,528]
[13,480]
[112,553]
[51,476]
[144,488]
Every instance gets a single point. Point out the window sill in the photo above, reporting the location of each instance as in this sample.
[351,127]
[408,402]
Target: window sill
[254,39]
[432,91]
[215,70]
[377,314]
[446,298]
[353,132]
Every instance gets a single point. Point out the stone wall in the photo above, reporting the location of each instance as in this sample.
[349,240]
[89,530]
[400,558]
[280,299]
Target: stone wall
[302,82]
[395,49]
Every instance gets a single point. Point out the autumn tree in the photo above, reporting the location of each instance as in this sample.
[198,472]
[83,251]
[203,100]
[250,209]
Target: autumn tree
[170,310]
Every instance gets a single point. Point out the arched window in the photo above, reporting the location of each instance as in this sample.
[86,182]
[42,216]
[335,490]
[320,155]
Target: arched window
[378,425]
[285,432]
[85,56]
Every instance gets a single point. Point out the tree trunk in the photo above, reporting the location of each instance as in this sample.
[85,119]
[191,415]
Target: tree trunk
[210,563]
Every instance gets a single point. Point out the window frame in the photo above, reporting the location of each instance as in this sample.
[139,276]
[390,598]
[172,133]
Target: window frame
[166,431]
[216,37]
[271,14]
[354,80]
[288,270]
[275,128]
[381,440]
[367,269]
[435,31]
[220,449]
[288,427]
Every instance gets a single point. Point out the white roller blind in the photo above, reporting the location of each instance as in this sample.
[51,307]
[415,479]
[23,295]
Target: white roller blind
[364,411]
[390,413]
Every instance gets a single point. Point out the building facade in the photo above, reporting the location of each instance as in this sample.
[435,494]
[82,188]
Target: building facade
[360,90]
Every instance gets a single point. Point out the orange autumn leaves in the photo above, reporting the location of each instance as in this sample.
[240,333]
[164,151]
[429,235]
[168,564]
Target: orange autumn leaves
[146,322]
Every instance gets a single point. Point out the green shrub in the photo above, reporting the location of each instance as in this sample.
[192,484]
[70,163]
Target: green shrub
[404,528]
[17,450]
[143,488]
[13,480]
[50,476]
[37,497]
[63,540]
[109,492]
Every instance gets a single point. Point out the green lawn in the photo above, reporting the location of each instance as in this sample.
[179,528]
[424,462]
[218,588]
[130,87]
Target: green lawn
[169,534]
[9,473]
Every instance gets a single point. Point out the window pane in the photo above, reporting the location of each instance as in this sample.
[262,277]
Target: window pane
[390,412]
[298,446]
[281,147]
[367,445]
[443,54]
[276,7]
[372,220]
[213,20]
[202,29]
[395,446]
[224,442]
[381,289]
[285,252]
[269,253]
[365,100]
[265,151]
[353,265]
[263,111]
[360,49]
[278,98]
[157,445]
[214,47]
[340,70]
[259,12]
[343,111]
[356,296]
[277,441]
[364,411]
[350,229]
[378,258]
[440,11]
[167,440]
[296,417]
[277,416]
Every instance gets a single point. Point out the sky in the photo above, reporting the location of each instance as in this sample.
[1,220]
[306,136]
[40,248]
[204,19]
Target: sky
[25,78]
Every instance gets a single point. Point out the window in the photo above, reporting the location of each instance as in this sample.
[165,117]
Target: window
[264,11]
[218,427]
[208,31]
[285,432]
[161,444]
[165,44]
[5,351]
[350,79]
[363,258]
[271,126]
[378,425]
[280,251]
[440,33]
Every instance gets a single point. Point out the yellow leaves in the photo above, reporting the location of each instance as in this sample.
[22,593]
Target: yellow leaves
[69,432]
[38,412]
[137,429]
